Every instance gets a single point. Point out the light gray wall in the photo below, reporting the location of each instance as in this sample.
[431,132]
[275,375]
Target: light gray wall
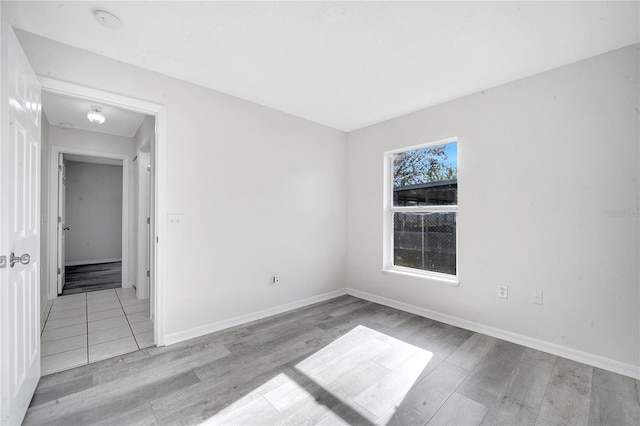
[90,141]
[93,212]
[541,162]
[259,192]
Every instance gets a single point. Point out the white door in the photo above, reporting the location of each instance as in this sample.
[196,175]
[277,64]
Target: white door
[20,240]
[62,227]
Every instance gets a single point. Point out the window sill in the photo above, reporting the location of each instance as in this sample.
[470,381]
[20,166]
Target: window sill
[441,279]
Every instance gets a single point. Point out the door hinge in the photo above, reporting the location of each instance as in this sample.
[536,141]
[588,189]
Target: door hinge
[59,271]
[59,219]
[3,262]
[148,221]
[148,273]
[59,168]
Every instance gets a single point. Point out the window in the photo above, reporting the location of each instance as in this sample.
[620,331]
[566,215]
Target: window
[421,210]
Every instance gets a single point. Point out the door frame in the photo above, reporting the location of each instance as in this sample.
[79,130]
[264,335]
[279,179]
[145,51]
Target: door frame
[143,239]
[159,179]
[53,209]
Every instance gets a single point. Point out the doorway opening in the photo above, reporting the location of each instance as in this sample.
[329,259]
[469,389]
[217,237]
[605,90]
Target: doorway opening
[92,203]
[113,251]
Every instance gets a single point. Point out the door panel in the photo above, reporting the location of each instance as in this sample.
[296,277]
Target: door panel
[20,223]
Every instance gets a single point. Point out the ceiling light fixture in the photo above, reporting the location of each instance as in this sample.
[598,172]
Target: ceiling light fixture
[95,115]
[106,18]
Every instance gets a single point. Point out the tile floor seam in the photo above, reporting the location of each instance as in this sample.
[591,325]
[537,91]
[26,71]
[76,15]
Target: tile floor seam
[58,353]
[60,338]
[127,318]
[111,339]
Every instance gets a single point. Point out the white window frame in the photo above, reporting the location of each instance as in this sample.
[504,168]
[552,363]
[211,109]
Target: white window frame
[390,209]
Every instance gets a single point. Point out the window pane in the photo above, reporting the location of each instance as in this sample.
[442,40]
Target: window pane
[426,176]
[425,241]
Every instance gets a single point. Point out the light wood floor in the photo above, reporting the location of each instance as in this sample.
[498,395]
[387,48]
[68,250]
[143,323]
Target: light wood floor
[345,361]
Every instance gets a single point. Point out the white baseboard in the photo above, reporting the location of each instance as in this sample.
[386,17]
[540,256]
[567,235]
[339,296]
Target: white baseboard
[180,336]
[91,262]
[552,348]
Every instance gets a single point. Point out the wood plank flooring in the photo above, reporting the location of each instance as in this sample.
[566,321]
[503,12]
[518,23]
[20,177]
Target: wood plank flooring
[344,361]
[84,278]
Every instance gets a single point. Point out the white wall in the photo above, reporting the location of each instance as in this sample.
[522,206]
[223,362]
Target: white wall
[93,213]
[541,161]
[259,192]
[90,141]
[146,134]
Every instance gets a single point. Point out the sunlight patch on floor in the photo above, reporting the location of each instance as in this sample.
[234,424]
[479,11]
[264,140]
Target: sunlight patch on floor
[368,371]
[364,374]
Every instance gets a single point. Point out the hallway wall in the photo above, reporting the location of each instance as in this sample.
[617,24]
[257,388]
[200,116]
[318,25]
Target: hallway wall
[93,213]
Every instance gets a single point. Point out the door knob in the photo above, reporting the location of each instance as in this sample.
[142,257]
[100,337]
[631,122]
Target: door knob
[24,259]
[66,228]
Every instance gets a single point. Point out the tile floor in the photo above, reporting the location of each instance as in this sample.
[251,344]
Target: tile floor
[88,327]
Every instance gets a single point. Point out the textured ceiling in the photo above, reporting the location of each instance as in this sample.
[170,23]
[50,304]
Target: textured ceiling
[343,64]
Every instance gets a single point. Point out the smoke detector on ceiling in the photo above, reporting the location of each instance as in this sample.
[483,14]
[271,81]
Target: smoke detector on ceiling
[334,14]
[106,18]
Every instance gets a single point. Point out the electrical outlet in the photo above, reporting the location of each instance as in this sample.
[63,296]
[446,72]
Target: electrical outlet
[174,221]
[503,291]
[275,279]
[537,298]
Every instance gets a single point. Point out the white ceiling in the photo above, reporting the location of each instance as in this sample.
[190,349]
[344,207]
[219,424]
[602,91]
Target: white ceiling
[343,64]
[92,160]
[63,111]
